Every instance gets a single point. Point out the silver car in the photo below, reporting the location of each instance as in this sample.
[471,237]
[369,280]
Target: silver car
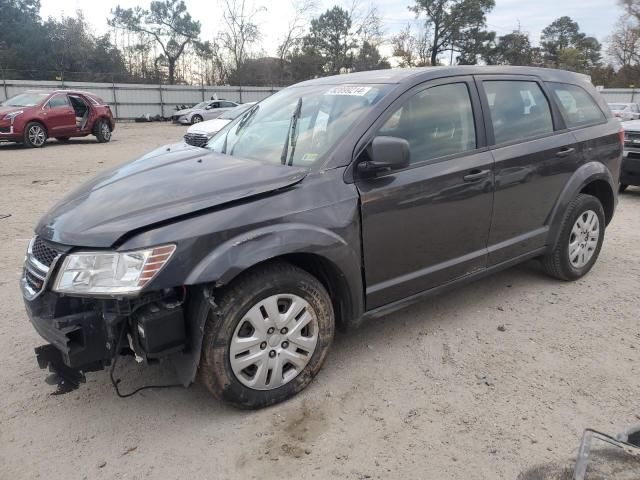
[203,111]
[625,111]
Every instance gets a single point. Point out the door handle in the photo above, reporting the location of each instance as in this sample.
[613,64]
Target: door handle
[476,174]
[565,152]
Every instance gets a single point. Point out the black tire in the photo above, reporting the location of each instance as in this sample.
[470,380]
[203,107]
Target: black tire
[233,303]
[35,135]
[102,131]
[196,119]
[62,139]
[557,263]
[623,187]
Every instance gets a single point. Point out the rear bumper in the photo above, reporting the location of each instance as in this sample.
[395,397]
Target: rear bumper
[630,171]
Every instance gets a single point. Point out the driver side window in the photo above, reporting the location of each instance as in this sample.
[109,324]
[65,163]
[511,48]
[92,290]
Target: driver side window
[436,122]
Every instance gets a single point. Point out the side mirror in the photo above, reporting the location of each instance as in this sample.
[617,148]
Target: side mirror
[386,153]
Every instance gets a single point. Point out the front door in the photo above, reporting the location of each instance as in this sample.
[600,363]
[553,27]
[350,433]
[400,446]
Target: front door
[60,116]
[428,224]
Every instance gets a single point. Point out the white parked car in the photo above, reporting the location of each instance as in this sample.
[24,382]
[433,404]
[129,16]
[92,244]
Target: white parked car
[200,133]
[625,111]
[203,111]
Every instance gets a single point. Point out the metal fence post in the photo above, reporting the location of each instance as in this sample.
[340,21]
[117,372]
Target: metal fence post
[161,101]
[4,84]
[115,97]
[240,91]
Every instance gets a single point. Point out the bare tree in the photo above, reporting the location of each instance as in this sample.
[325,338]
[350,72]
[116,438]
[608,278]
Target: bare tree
[624,42]
[241,30]
[412,49]
[168,22]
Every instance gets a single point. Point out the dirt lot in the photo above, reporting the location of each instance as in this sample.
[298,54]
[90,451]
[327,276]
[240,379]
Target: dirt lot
[433,392]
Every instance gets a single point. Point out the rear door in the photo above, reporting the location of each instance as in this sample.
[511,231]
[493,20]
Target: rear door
[426,225]
[534,157]
[60,116]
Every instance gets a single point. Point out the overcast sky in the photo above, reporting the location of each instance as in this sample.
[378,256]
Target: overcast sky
[595,17]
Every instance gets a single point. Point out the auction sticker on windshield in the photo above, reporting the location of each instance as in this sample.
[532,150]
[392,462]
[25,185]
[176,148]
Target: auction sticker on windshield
[348,90]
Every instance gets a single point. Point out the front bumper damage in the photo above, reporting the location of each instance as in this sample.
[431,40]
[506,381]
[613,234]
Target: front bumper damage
[85,334]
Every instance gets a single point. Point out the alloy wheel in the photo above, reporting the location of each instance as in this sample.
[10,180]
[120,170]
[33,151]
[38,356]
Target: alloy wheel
[273,342]
[36,134]
[106,131]
[583,240]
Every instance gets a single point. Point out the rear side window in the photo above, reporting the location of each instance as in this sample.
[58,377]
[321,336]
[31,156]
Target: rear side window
[227,104]
[436,122]
[58,101]
[578,107]
[518,110]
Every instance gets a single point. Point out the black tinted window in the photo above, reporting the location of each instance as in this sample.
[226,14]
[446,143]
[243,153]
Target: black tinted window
[58,101]
[578,107]
[227,104]
[436,122]
[518,110]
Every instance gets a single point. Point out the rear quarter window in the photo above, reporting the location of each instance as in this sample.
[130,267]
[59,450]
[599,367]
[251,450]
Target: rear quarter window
[578,108]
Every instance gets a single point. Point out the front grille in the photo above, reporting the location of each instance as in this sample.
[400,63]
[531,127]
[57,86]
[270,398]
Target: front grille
[5,129]
[632,139]
[44,253]
[196,139]
[38,265]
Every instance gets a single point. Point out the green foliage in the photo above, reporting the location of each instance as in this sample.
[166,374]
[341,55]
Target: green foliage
[455,25]
[330,38]
[511,49]
[369,58]
[66,48]
[565,46]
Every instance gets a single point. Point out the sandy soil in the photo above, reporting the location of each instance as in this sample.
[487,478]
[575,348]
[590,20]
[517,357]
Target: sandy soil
[433,392]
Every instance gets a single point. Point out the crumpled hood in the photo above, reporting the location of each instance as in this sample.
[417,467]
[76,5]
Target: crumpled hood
[166,183]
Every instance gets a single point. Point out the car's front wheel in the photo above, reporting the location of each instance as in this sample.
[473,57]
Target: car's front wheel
[268,336]
[580,241]
[35,135]
[196,119]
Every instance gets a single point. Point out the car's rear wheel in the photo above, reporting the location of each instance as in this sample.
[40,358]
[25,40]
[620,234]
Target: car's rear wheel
[102,131]
[268,336]
[62,139]
[35,135]
[580,241]
[196,119]
[622,187]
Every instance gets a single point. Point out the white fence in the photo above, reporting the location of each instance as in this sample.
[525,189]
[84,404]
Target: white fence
[621,95]
[130,100]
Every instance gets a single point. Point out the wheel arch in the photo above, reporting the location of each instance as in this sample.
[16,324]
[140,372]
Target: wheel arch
[318,251]
[38,121]
[592,178]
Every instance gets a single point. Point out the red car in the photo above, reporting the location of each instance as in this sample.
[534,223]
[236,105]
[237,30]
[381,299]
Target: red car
[32,117]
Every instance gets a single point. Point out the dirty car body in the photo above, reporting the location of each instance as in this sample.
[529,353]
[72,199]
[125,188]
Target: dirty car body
[377,238]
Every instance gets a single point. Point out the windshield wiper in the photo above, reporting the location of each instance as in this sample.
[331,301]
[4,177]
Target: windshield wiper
[291,136]
[243,121]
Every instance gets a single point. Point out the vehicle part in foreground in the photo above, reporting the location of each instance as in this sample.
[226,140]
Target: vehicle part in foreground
[628,442]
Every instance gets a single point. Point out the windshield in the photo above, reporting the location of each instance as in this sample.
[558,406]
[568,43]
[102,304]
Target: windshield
[617,106]
[326,114]
[235,112]
[25,100]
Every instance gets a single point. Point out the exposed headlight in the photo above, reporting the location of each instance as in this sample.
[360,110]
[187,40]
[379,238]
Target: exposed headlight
[111,273]
[12,115]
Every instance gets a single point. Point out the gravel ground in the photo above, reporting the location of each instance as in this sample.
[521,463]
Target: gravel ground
[436,391]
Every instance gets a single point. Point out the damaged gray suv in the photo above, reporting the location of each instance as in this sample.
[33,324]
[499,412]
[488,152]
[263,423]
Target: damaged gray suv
[333,201]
